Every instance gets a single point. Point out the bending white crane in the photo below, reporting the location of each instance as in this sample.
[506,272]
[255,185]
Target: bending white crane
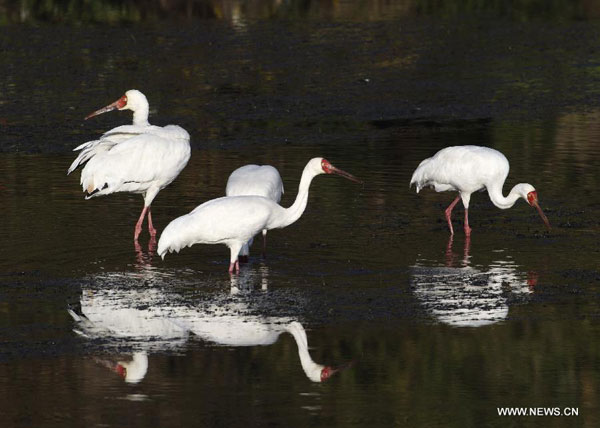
[233,220]
[259,180]
[467,169]
[138,158]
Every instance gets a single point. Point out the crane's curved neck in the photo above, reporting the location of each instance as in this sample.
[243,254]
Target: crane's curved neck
[293,213]
[499,200]
[140,115]
[311,369]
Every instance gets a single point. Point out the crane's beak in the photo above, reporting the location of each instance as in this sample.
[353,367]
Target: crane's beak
[119,104]
[328,371]
[342,173]
[536,205]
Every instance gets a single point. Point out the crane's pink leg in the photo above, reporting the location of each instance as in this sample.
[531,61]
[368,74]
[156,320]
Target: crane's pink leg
[234,267]
[151,228]
[138,225]
[448,213]
[467,228]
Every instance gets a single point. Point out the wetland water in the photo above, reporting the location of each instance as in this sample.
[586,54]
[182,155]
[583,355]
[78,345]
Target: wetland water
[431,332]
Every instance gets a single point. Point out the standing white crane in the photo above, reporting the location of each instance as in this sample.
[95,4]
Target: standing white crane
[467,169]
[233,220]
[259,180]
[138,158]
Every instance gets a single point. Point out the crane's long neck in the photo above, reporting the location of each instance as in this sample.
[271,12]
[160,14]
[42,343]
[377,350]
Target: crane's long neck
[311,369]
[293,213]
[140,115]
[499,200]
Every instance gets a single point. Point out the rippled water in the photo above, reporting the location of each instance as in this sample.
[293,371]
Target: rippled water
[426,331]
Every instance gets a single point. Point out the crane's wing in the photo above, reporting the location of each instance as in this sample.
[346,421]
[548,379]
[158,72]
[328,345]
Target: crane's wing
[133,164]
[109,139]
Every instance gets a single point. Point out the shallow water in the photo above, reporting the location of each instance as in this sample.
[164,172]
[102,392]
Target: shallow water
[428,331]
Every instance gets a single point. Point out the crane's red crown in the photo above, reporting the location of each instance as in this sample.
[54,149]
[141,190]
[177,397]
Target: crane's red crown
[326,373]
[121,102]
[532,197]
[121,371]
[326,166]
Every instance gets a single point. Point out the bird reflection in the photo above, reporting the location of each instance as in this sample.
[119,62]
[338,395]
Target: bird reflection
[128,312]
[469,296]
[144,260]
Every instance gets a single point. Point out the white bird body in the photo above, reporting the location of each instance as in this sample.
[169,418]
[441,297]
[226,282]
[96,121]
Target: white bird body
[233,220]
[258,180]
[139,158]
[220,221]
[468,169]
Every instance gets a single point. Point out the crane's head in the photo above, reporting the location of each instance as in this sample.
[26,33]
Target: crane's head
[328,371]
[132,100]
[529,193]
[327,168]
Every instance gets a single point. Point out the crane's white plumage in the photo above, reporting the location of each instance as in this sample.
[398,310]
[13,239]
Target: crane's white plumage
[233,220]
[467,169]
[139,158]
[259,180]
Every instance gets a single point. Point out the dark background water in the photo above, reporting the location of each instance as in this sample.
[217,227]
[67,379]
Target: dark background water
[439,333]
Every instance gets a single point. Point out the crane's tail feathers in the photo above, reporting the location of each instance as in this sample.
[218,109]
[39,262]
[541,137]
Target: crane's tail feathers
[420,177]
[88,150]
[162,252]
[97,191]
[175,236]
[85,145]
[74,315]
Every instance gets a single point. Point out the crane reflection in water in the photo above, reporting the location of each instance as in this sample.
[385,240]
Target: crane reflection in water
[462,295]
[134,310]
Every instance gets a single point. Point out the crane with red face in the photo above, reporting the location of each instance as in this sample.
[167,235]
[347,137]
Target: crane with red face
[234,220]
[468,169]
[137,158]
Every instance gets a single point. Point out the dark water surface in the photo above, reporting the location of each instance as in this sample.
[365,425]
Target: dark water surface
[430,332]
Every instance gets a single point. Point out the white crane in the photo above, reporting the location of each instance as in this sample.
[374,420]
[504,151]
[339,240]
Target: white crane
[138,158]
[467,169]
[259,180]
[233,220]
